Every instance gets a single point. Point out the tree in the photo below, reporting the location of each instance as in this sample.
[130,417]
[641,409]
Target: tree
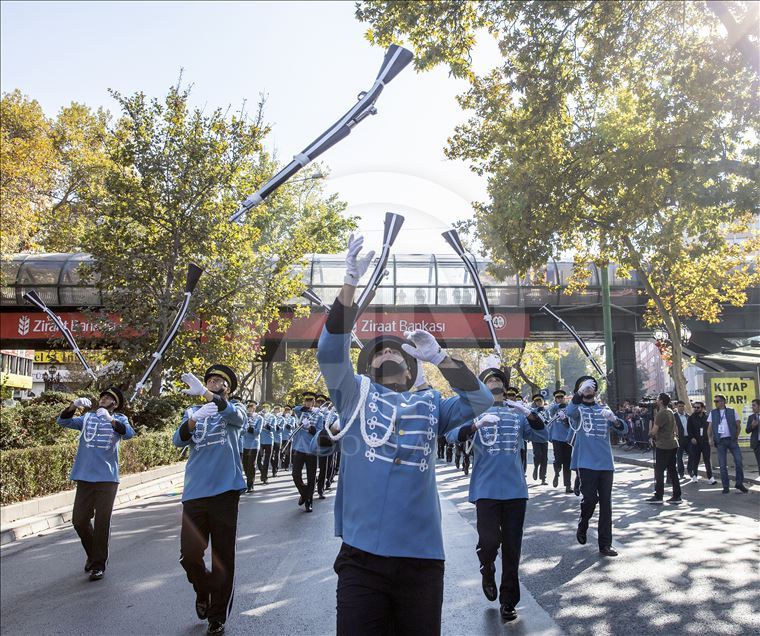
[27,164]
[625,130]
[174,175]
[49,167]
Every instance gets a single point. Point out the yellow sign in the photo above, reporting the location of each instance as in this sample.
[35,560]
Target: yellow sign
[738,388]
[54,357]
[15,381]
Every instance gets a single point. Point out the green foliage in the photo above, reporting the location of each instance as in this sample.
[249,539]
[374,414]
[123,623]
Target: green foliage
[44,470]
[33,423]
[176,174]
[49,167]
[161,413]
[626,131]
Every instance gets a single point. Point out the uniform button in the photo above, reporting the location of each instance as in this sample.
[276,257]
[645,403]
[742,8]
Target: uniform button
[397,461]
[401,432]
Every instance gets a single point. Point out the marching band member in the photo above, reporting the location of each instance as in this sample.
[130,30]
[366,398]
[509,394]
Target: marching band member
[251,432]
[213,483]
[309,422]
[592,457]
[390,566]
[266,440]
[558,435]
[279,424]
[289,425]
[498,488]
[540,448]
[96,471]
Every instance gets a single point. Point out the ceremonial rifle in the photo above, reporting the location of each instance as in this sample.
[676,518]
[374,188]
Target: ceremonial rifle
[193,274]
[33,298]
[396,59]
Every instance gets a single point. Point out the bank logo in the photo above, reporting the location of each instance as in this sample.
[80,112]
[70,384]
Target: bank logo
[499,321]
[23,325]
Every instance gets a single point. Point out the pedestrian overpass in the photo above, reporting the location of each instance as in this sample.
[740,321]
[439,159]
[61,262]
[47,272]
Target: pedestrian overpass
[433,291]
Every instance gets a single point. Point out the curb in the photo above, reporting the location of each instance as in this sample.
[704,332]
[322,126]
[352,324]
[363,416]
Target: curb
[55,510]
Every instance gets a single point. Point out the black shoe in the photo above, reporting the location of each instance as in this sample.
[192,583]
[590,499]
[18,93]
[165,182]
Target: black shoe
[555,481]
[577,490]
[249,489]
[741,488]
[87,565]
[535,473]
[321,495]
[489,583]
[580,534]
[507,612]
[202,603]
[675,500]
[96,574]
[300,500]
[308,506]
[568,491]
[467,470]
[725,491]
[654,500]
[608,552]
[543,482]
[215,627]
[274,475]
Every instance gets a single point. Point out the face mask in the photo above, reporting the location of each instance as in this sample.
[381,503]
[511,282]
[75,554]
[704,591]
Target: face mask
[498,392]
[388,368]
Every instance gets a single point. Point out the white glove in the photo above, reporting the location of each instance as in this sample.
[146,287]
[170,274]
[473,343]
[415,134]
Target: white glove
[520,407]
[207,410]
[586,387]
[196,386]
[356,267]
[104,414]
[82,403]
[607,414]
[488,418]
[562,415]
[426,348]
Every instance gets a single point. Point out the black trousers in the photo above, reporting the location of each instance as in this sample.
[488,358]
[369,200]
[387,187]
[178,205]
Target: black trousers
[756,450]
[449,452]
[94,499]
[441,446]
[700,450]
[679,459]
[524,457]
[263,460]
[275,459]
[300,460]
[325,468]
[563,452]
[383,596]
[665,460]
[249,465]
[212,518]
[500,525]
[285,455]
[596,486]
[540,458]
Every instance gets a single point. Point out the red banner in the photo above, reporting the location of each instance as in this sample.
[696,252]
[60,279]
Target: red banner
[443,325]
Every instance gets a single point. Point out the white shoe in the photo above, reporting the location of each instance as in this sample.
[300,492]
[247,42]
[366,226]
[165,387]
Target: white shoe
[694,479]
[713,480]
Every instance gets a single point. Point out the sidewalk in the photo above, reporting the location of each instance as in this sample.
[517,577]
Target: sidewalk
[26,518]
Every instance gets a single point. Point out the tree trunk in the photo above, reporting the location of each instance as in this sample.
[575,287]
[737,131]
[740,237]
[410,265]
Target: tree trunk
[155,379]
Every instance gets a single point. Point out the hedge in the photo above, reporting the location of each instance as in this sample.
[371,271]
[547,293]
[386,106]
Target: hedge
[43,470]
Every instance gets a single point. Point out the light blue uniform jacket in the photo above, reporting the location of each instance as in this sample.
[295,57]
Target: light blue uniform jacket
[591,448]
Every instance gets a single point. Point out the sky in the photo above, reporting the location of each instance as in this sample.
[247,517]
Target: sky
[310,59]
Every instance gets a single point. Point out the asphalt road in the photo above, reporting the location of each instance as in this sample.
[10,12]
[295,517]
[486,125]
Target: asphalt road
[683,570]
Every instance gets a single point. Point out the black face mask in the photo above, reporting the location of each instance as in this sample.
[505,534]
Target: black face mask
[498,392]
[388,368]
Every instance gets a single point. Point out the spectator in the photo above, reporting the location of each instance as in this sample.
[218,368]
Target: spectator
[724,427]
[683,439]
[753,428]
[699,443]
[666,445]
